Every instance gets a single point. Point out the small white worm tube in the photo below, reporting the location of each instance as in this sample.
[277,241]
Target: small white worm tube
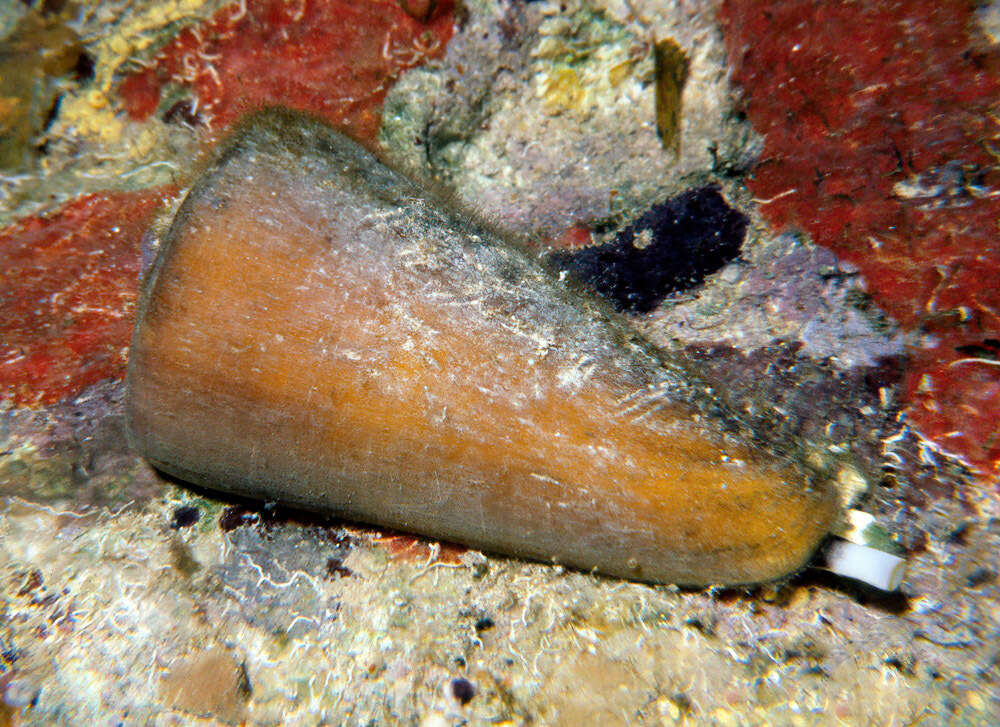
[863,550]
[864,563]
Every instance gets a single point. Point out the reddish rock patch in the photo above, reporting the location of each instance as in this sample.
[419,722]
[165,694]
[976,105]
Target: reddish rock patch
[413,549]
[882,142]
[68,288]
[337,59]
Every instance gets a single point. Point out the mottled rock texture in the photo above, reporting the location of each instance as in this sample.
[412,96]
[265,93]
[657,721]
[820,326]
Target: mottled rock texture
[880,140]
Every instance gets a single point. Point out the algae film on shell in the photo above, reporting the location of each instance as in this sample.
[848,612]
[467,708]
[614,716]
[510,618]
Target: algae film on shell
[318,330]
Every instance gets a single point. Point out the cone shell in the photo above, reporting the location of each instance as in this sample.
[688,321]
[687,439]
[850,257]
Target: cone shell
[317,330]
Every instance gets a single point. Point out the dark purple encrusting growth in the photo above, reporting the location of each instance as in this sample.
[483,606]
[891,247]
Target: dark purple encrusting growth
[236,516]
[671,247]
[184,516]
[463,690]
[335,568]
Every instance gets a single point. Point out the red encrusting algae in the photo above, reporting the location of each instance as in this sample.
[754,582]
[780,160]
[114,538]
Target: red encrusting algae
[69,280]
[881,135]
[68,287]
[413,549]
[336,59]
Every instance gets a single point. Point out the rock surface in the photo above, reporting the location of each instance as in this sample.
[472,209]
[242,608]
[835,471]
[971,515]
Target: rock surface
[543,116]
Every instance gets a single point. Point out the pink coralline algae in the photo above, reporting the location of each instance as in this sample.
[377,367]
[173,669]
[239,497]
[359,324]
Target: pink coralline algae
[68,288]
[882,142]
[337,59]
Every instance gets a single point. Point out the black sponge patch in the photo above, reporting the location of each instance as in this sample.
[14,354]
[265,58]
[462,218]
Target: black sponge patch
[671,247]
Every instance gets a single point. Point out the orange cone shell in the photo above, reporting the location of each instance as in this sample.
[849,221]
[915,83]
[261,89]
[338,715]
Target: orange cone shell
[316,331]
